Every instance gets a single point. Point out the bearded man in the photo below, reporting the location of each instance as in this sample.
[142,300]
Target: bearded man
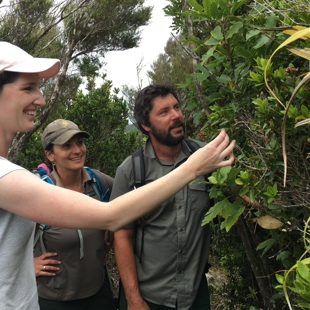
[162,265]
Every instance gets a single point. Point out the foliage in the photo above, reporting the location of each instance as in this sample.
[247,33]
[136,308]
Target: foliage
[172,66]
[104,117]
[232,41]
[130,94]
[79,33]
[229,273]
[300,283]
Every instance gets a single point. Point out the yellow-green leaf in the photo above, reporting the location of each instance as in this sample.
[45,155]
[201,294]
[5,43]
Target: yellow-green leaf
[302,52]
[268,222]
[294,29]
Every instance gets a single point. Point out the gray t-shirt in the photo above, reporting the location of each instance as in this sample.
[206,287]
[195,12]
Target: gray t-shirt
[18,289]
[175,245]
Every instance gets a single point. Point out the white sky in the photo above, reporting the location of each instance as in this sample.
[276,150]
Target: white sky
[121,65]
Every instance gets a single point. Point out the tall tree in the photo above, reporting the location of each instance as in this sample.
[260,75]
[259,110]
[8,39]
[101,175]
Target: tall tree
[71,31]
[171,67]
[231,41]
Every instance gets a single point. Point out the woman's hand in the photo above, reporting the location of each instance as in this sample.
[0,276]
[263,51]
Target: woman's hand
[216,154]
[45,266]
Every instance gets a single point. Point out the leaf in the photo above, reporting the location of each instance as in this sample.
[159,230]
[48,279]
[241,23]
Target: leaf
[295,29]
[224,171]
[237,5]
[217,34]
[251,34]
[243,191]
[212,41]
[302,52]
[304,111]
[279,278]
[213,212]
[304,305]
[268,222]
[195,5]
[266,245]
[209,53]
[233,29]
[271,20]
[271,190]
[231,220]
[212,179]
[291,39]
[303,270]
[193,39]
[239,181]
[261,41]
[306,261]
[256,77]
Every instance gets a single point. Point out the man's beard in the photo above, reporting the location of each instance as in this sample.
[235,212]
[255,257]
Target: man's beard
[166,138]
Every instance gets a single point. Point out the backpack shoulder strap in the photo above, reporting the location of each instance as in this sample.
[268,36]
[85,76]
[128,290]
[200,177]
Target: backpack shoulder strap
[102,193]
[42,227]
[138,168]
[193,145]
[98,185]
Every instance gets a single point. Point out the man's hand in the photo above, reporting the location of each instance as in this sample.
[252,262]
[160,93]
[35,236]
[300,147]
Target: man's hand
[137,305]
[44,266]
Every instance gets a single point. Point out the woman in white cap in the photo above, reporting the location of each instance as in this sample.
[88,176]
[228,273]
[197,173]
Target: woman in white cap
[24,199]
[75,278]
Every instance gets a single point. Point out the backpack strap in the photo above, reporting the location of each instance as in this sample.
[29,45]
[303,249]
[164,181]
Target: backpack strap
[39,172]
[101,191]
[98,185]
[138,168]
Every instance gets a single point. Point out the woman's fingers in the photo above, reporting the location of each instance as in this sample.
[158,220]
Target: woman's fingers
[216,154]
[44,266]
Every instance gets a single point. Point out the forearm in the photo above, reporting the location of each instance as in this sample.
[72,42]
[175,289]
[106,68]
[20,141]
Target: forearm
[48,204]
[126,265]
[133,204]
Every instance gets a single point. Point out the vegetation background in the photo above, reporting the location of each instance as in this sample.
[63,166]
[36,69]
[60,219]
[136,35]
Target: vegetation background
[217,60]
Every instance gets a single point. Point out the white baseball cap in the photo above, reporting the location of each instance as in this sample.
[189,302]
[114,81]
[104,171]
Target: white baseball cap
[14,59]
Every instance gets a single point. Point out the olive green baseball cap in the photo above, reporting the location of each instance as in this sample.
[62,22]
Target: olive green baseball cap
[60,131]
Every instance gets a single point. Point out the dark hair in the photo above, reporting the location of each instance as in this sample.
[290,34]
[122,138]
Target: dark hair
[144,102]
[7,77]
[49,147]
[49,164]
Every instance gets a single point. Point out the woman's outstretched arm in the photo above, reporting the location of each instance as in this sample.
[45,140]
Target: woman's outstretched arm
[24,194]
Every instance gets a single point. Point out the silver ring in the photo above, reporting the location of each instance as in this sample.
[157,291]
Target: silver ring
[44,268]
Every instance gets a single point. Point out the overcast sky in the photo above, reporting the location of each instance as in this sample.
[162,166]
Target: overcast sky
[121,65]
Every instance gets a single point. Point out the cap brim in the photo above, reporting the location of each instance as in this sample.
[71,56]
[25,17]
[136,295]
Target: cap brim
[45,67]
[68,135]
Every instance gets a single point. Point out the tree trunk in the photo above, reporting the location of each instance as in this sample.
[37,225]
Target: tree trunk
[260,276]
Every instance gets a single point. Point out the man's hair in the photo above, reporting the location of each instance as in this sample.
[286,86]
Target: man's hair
[144,102]
[7,77]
